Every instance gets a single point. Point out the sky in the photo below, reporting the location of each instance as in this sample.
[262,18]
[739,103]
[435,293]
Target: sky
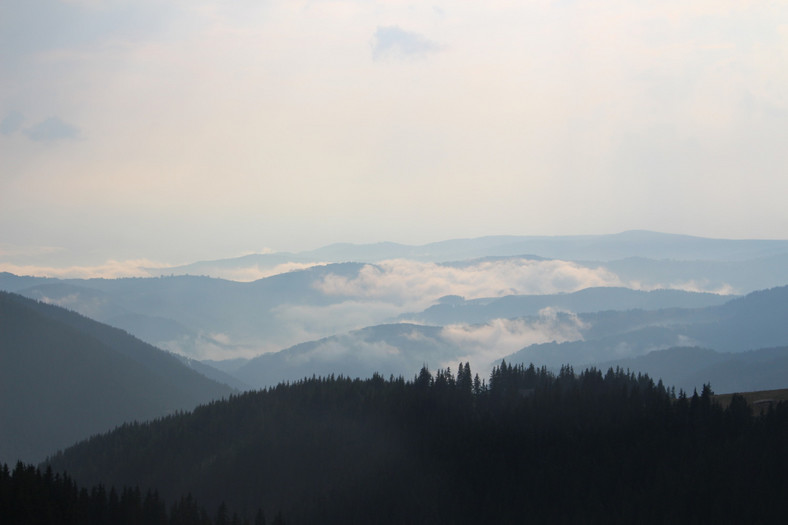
[151,132]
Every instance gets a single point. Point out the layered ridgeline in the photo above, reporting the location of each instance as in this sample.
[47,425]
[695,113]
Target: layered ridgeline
[738,346]
[527,446]
[354,286]
[710,344]
[216,319]
[199,316]
[456,310]
[593,304]
[594,326]
[64,377]
[689,367]
[648,256]
[213,318]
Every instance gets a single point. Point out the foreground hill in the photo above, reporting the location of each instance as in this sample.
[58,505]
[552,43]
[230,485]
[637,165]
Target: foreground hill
[31,495]
[529,446]
[64,377]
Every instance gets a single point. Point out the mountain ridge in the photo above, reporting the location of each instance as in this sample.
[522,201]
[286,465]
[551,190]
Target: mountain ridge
[64,377]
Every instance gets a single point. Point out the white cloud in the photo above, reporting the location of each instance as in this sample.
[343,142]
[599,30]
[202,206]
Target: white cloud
[246,273]
[395,42]
[216,346]
[11,123]
[342,346]
[480,345]
[692,285]
[411,284]
[93,306]
[51,129]
[8,250]
[65,301]
[310,322]
[483,344]
[109,270]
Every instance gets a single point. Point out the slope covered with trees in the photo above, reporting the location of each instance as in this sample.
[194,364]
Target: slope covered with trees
[28,495]
[64,377]
[527,446]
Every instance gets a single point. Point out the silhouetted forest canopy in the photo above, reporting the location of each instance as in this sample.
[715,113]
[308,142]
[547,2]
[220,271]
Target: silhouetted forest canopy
[524,446]
[28,495]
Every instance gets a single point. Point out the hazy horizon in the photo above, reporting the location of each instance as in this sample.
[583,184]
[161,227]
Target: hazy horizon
[58,263]
[171,133]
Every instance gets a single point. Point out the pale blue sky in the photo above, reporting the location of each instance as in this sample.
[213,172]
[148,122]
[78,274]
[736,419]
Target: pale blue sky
[185,130]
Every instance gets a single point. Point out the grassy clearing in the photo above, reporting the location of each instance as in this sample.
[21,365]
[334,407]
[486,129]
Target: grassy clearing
[759,400]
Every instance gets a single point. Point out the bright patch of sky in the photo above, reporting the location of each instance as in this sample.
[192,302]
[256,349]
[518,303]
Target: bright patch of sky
[186,130]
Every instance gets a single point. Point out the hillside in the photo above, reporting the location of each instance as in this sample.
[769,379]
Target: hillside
[690,367]
[458,310]
[628,338]
[754,321]
[529,446]
[197,316]
[761,401]
[64,377]
[284,302]
[386,349]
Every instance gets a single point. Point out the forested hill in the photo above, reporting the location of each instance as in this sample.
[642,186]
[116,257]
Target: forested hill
[64,377]
[31,496]
[527,446]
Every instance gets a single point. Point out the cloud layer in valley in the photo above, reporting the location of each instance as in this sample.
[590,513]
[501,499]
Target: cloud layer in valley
[402,349]
[381,292]
[109,270]
[413,284]
[485,343]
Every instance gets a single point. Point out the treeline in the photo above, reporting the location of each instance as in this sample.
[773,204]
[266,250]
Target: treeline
[30,496]
[524,446]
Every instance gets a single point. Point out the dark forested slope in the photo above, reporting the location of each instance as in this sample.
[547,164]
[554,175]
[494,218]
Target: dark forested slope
[64,377]
[526,447]
[29,495]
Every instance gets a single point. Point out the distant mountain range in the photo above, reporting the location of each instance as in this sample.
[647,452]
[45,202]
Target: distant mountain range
[635,243]
[453,309]
[208,318]
[64,377]
[689,368]
[393,349]
[390,308]
[192,315]
[79,357]
[754,321]
[627,338]
[591,326]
